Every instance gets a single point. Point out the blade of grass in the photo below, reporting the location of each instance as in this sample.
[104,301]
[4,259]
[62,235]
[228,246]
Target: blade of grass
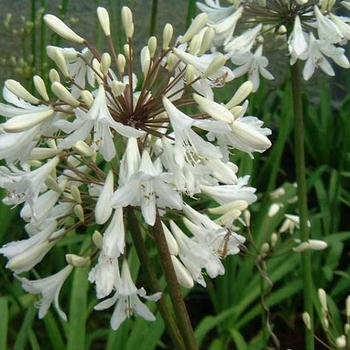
[4,322]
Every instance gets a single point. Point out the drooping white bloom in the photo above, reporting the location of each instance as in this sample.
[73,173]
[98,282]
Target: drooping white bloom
[146,188]
[49,288]
[255,65]
[127,300]
[25,186]
[25,254]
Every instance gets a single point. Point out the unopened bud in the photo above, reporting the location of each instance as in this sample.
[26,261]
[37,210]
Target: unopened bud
[54,76]
[323,299]
[189,74]
[241,94]
[182,274]
[87,97]
[207,40]
[273,210]
[97,239]
[63,94]
[16,88]
[264,248]
[347,304]
[307,320]
[172,244]
[40,87]
[341,341]
[103,18]
[197,24]
[194,45]
[214,66]
[83,149]
[77,261]
[167,35]
[105,63]
[214,109]
[302,247]
[121,63]
[62,29]
[127,22]
[74,190]
[273,239]
[79,212]
[117,88]
[152,45]
[57,56]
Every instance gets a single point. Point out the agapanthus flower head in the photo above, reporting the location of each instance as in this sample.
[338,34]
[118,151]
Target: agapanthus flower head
[113,144]
[310,29]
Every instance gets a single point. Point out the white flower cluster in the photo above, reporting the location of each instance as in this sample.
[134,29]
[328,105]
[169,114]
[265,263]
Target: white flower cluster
[311,32]
[108,142]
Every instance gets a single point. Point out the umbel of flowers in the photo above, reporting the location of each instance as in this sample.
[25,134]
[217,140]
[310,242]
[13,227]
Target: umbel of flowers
[111,149]
[309,30]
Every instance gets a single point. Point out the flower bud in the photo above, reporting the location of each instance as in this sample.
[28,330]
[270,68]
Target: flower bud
[323,299]
[273,239]
[241,94]
[24,122]
[167,35]
[182,274]
[103,18]
[214,109]
[105,63]
[77,261]
[40,87]
[63,94]
[62,29]
[79,212]
[16,88]
[97,239]
[264,248]
[152,45]
[197,24]
[207,40]
[172,244]
[74,190]
[83,149]
[273,210]
[216,64]
[127,22]
[121,63]
[54,76]
[341,341]
[87,97]
[307,320]
[117,88]
[57,56]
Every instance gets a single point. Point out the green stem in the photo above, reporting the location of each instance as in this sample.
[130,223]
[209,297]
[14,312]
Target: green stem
[302,198]
[154,17]
[177,300]
[152,280]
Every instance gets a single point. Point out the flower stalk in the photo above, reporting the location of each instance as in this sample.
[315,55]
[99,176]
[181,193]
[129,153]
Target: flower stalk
[152,280]
[173,285]
[302,197]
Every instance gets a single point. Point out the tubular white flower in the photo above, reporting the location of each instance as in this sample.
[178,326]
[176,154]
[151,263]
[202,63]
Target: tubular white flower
[49,288]
[25,254]
[127,300]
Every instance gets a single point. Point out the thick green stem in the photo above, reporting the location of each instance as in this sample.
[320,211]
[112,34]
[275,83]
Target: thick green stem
[152,280]
[177,300]
[302,197]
